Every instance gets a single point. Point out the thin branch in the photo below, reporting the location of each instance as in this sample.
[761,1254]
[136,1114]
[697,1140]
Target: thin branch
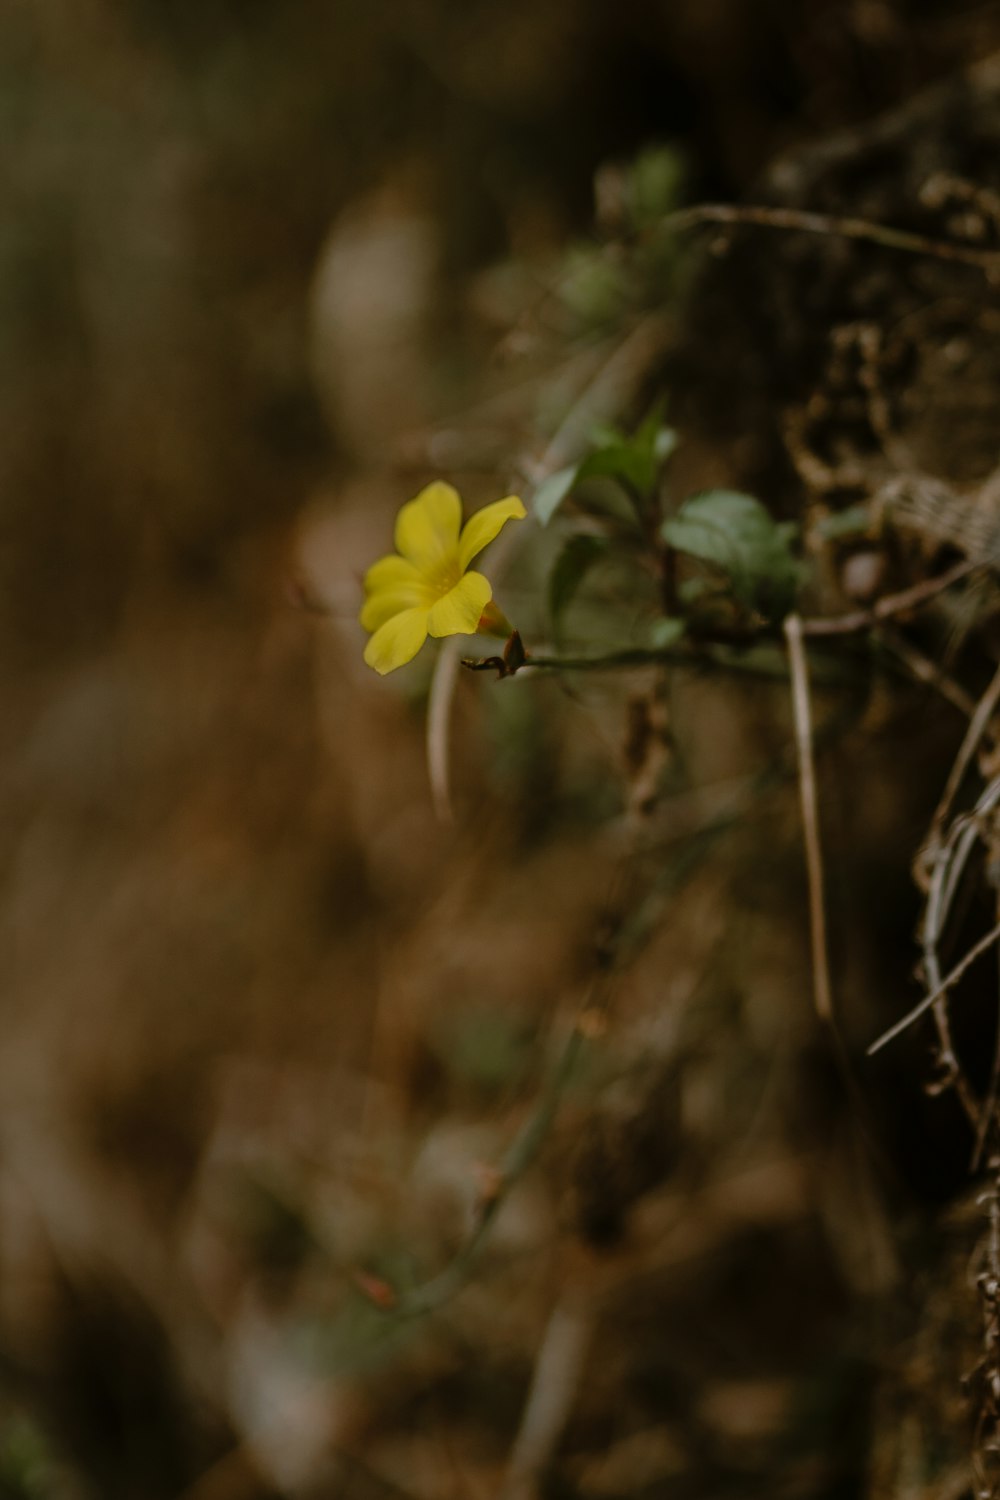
[884,609]
[948,866]
[925,670]
[440,1290]
[612,661]
[759,657]
[937,994]
[978,726]
[891,604]
[834,226]
[615,949]
[802,712]
[949,861]
[943,886]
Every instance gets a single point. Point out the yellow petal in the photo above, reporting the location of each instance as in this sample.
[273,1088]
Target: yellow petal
[397,641]
[382,605]
[458,612]
[389,572]
[480,529]
[392,585]
[427,527]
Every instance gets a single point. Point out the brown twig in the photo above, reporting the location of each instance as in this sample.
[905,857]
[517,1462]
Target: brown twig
[948,866]
[802,713]
[837,226]
[978,726]
[925,670]
[938,993]
[891,605]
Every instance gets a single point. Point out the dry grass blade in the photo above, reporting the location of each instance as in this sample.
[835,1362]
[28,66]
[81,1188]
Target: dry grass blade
[978,726]
[553,1387]
[802,711]
[939,992]
[949,862]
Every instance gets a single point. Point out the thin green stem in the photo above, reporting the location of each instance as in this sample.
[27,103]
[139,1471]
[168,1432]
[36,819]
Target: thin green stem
[526,1145]
[760,658]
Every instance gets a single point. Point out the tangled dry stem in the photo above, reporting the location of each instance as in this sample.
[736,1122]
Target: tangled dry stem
[947,862]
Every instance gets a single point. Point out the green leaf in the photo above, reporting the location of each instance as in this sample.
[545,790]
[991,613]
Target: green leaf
[666,632]
[610,501]
[604,435]
[592,286]
[655,184]
[576,559]
[735,533]
[616,461]
[634,462]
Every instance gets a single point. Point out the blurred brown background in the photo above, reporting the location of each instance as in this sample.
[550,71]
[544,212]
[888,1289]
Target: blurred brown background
[265,1021]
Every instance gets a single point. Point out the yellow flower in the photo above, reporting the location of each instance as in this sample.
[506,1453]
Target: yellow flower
[427,589]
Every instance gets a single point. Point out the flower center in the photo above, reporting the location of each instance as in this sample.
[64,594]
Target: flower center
[441,579]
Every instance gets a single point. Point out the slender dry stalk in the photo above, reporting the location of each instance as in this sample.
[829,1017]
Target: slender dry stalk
[832,226]
[438,729]
[948,865]
[938,993]
[802,713]
[924,669]
[891,604]
[978,727]
[554,1384]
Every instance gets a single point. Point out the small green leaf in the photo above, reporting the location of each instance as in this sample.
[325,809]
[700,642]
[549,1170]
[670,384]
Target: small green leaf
[618,461]
[604,435]
[592,286]
[576,559]
[635,460]
[736,533]
[666,633]
[609,501]
[655,183]
[551,493]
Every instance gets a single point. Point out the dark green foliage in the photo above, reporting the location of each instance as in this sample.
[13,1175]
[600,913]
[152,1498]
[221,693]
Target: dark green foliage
[735,533]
